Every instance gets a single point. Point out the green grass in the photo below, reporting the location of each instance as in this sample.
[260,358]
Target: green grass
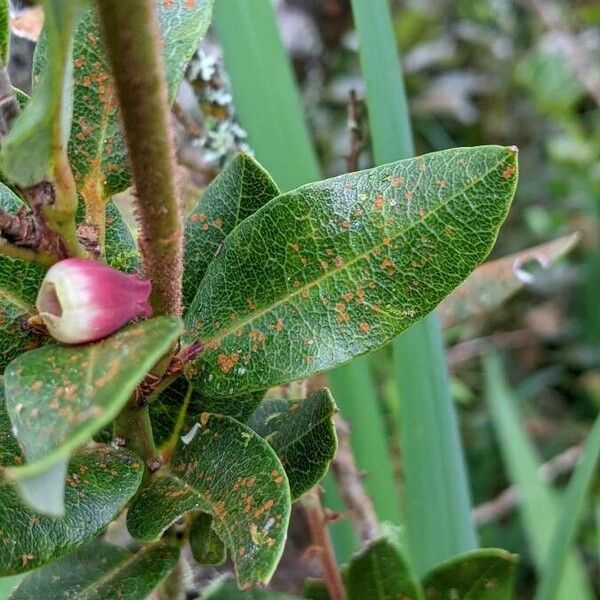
[539,505]
[438,503]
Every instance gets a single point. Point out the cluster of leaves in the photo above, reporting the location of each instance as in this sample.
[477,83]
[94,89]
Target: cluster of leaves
[277,287]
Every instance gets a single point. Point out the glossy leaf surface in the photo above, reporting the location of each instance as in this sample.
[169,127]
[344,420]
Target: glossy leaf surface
[101,571]
[344,265]
[486,574]
[241,188]
[302,434]
[58,397]
[223,468]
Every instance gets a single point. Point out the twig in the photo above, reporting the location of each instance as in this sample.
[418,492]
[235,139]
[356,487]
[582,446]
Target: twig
[504,503]
[133,44]
[350,485]
[576,57]
[356,137]
[322,541]
[464,351]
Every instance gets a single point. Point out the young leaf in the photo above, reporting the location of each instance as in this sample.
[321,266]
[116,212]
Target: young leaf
[345,265]
[206,546]
[29,151]
[97,149]
[100,481]
[380,572]
[302,434]
[539,505]
[101,571]
[19,284]
[486,574]
[223,468]
[494,282]
[241,188]
[58,397]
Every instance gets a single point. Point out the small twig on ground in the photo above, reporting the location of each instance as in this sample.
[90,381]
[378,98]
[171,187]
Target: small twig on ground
[350,485]
[504,503]
[317,523]
[357,142]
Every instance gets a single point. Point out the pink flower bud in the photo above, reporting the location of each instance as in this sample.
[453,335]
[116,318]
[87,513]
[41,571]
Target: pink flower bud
[83,300]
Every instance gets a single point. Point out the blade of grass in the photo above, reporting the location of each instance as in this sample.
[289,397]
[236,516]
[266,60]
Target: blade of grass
[438,506]
[269,106]
[353,385]
[539,505]
[573,506]
[266,96]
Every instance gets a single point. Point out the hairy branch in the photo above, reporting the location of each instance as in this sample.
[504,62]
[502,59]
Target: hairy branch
[133,43]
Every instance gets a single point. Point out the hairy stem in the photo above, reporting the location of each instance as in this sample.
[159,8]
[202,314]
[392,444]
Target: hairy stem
[133,43]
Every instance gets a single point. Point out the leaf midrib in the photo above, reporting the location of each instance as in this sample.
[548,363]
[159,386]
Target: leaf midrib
[111,574]
[330,273]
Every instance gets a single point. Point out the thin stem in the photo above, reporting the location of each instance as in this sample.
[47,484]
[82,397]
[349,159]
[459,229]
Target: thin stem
[26,254]
[322,540]
[133,44]
[60,214]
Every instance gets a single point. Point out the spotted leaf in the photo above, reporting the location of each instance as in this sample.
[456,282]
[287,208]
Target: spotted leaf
[225,469]
[340,267]
[101,571]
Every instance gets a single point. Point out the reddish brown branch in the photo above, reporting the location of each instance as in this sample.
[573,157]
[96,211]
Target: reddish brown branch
[322,541]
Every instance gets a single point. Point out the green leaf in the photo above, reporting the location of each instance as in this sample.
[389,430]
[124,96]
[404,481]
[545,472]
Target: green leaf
[97,149]
[121,250]
[302,434]
[58,397]
[571,514]
[19,284]
[339,267]
[100,481]
[241,188]
[380,572]
[225,469]
[40,132]
[494,282]
[227,590]
[539,505]
[207,547]
[486,574]
[8,584]
[4,32]
[101,571]
[175,411]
